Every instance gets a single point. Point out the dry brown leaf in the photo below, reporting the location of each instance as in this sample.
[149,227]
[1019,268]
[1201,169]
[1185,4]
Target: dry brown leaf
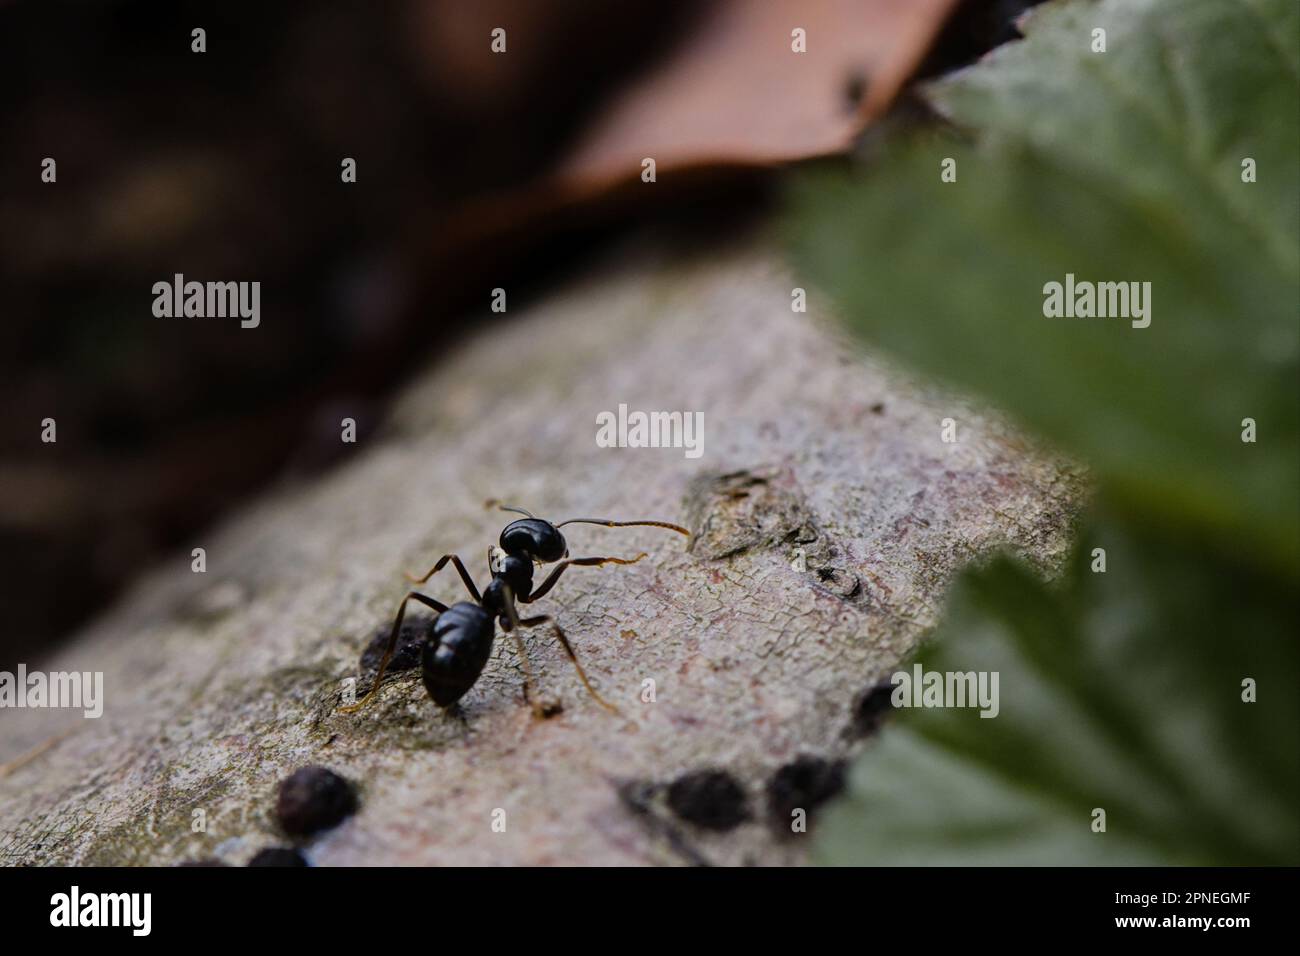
[737,94]
[732,95]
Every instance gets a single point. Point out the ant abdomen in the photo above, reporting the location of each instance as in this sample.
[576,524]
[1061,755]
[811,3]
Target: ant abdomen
[457,651]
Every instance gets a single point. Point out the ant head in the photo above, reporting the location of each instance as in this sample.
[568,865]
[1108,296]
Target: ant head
[534,538]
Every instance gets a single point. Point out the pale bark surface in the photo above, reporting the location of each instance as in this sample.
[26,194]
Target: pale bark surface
[219,685]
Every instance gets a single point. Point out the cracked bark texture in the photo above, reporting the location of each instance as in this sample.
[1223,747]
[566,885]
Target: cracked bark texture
[219,685]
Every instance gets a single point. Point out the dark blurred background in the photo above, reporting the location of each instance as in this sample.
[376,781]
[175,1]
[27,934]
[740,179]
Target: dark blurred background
[225,166]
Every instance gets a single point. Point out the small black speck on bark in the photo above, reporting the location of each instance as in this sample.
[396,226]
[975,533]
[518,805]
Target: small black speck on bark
[313,799]
[841,583]
[855,90]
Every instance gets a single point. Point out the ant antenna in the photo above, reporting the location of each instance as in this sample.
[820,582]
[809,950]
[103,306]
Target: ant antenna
[519,511]
[626,524]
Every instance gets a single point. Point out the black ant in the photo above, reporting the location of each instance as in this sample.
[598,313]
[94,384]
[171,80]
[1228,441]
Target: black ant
[461,641]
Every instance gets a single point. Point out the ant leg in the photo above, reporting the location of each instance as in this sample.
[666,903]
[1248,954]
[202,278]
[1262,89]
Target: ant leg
[511,626]
[530,683]
[580,562]
[464,575]
[392,644]
[568,649]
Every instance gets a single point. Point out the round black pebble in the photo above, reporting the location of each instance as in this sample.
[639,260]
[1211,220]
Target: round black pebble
[711,799]
[804,784]
[855,88]
[313,799]
[278,856]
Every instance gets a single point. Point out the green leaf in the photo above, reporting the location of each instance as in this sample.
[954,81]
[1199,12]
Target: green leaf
[1119,690]
[1116,166]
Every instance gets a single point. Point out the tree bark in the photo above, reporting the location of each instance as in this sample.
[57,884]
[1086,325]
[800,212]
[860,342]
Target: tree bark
[219,685]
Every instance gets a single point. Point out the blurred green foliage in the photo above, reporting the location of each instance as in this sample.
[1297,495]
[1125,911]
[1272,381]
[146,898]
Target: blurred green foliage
[1122,689]
[1119,691]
